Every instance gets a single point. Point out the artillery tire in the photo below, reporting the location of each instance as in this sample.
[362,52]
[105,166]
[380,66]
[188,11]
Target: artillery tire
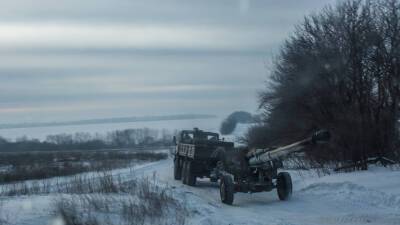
[177,169]
[284,186]
[184,171]
[227,189]
[190,177]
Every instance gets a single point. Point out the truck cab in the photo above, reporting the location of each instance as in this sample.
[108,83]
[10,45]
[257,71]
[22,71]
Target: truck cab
[196,136]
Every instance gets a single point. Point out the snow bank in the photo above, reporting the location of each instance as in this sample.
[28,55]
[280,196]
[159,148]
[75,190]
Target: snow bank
[365,197]
[357,195]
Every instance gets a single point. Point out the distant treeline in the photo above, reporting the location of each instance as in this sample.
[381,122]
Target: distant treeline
[129,138]
[109,120]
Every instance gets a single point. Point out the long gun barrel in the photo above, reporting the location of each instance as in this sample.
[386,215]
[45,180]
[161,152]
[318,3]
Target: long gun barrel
[260,156]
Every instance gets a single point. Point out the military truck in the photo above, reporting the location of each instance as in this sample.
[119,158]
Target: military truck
[203,154]
[196,155]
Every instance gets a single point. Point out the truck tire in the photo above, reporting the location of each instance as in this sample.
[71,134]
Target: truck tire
[177,169]
[284,186]
[227,189]
[190,177]
[183,174]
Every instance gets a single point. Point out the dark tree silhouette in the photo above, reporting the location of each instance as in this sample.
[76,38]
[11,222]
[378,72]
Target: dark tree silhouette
[340,71]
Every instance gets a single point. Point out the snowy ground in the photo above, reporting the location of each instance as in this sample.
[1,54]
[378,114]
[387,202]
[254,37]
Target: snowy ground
[370,197]
[367,197]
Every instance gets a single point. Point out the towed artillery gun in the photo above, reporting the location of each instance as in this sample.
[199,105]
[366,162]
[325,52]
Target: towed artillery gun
[240,169]
[257,170]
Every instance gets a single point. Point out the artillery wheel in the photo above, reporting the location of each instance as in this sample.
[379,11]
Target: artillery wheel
[284,186]
[190,177]
[227,189]
[183,174]
[177,169]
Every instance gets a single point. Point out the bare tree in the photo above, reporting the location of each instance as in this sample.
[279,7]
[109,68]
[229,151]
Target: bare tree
[340,70]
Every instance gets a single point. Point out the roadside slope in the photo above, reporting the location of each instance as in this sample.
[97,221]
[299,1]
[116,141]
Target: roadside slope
[368,197]
[371,197]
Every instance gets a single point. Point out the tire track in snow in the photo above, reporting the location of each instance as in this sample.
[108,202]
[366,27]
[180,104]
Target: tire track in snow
[353,194]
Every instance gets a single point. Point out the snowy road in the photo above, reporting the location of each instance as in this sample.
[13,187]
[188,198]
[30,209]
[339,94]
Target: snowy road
[369,197]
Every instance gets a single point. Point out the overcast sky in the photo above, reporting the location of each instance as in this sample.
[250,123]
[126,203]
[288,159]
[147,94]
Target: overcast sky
[68,59]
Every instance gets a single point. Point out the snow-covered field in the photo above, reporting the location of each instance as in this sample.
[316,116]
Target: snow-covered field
[367,197]
[211,124]
[370,197]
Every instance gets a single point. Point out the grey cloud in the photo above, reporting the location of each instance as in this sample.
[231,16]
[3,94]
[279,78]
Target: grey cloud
[151,11]
[62,79]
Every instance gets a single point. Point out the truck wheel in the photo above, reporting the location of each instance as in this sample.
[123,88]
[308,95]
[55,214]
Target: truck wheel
[227,189]
[190,177]
[284,186]
[177,169]
[183,174]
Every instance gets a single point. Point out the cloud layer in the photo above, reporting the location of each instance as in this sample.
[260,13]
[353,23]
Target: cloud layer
[69,59]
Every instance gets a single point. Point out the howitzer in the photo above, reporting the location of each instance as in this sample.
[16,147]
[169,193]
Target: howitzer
[257,170]
[260,156]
